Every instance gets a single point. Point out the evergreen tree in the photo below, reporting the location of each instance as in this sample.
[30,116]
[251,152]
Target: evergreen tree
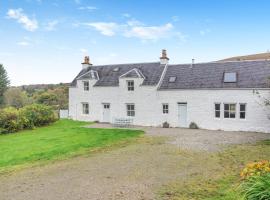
[4,83]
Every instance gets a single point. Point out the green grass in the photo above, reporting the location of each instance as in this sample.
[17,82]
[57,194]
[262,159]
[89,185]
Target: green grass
[61,140]
[219,176]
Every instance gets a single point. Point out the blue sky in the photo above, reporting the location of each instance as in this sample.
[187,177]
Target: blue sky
[44,41]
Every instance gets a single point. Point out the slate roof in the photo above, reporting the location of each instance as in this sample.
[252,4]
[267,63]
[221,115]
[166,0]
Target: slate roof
[108,77]
[88,75]
[134,73]
[250,74]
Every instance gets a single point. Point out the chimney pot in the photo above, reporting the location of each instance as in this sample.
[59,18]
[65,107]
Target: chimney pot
[86,63]
[164,59]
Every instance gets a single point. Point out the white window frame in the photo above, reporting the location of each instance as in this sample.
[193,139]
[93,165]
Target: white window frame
[215,110]
[130,85]
[86,87]
[106,105]
[165,108]
[230,111]
[130,112]
[85,108]
[245,111]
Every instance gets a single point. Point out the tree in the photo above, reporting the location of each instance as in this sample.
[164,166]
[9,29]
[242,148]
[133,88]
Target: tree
[17,98]
[46,98]
[4,83]
[62,96]
[57,97]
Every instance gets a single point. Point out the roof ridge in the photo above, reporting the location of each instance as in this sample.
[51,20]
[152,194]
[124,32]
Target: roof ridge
[240,61]
[229,61]
[124,64]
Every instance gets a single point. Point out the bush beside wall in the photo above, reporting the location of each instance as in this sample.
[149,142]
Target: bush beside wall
[13,120]
[256,181]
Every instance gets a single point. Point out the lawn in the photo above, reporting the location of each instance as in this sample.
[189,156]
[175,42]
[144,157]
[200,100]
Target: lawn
[63,139]
[219,176]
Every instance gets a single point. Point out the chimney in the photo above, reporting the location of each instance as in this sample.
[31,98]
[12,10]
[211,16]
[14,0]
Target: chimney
[192,62]
[164,59]
[86,63]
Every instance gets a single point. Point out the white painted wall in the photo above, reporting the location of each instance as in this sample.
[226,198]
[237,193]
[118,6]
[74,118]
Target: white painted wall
[148,103]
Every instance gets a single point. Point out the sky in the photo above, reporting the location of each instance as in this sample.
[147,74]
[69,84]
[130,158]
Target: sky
[44,41]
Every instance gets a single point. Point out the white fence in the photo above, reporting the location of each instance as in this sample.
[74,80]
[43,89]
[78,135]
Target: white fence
[63,114]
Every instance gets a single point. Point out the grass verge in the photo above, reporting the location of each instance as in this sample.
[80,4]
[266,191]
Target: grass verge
[218,174]
[61,140]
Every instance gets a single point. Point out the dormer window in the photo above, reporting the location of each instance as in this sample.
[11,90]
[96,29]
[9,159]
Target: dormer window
[130,85]
[86,85]
[230,77]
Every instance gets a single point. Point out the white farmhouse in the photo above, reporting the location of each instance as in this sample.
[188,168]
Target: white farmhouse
[215,95]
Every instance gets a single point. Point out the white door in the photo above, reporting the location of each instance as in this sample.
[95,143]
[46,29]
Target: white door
[182,114]
[106,112]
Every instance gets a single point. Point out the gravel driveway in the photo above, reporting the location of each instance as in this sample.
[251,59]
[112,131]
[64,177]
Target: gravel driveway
[134,172]
[198,139]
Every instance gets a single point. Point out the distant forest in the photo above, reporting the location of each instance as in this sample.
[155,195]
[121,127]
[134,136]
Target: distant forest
[55,95]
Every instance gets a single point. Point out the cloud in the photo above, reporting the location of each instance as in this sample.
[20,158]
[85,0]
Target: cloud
[204,32]
[134,22]
[133,28]
[77,1]
[105,28]
[20,17]
[149,32]
[23,43]
[88,8]
[50,26]
[127,15]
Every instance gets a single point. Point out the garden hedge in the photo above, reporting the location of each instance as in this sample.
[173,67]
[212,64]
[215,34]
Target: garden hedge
[28,117]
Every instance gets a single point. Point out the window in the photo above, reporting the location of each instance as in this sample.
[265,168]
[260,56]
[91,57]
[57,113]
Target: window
[116,69]
[229,110]
[106,106]
[217,110]
[85,107]
[229,77]
[130,85]
[172,79]
[165,108]
[86,85]
[242,111]
[130,110]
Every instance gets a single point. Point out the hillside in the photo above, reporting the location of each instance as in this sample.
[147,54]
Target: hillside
[259,56]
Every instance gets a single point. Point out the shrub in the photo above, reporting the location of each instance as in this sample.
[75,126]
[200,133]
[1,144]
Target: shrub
[37,115]
[256,187]
[10,121]
[193,125]
[255,169]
